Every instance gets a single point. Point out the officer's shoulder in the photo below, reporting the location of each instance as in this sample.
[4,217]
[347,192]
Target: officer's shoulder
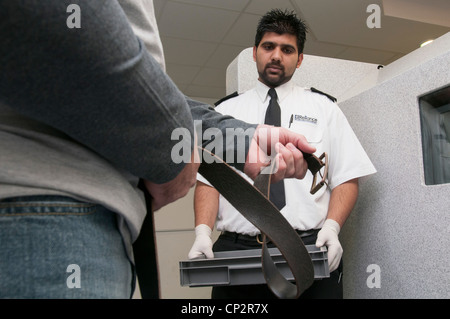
[226,98]
[316,91]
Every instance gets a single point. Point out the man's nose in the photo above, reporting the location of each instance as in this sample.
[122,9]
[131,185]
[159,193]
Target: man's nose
[276,55]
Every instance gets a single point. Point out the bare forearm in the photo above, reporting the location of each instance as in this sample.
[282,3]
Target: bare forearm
[206,205]
[342,201]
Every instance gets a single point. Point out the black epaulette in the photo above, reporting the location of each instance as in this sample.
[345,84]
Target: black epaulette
[332,98]
[232,95]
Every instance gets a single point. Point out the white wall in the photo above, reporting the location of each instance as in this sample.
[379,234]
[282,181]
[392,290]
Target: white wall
[399,224]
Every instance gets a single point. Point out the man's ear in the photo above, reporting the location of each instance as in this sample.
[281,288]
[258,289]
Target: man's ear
[300,60]
[254,53]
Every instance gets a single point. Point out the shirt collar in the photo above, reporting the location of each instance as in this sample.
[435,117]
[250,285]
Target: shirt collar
[282,90]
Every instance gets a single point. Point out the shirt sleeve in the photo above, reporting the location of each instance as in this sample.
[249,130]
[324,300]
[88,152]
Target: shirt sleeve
[347,157]
[236,135]
[98,84]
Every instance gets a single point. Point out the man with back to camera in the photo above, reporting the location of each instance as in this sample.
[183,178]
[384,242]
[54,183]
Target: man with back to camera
[318,218]
[85,114]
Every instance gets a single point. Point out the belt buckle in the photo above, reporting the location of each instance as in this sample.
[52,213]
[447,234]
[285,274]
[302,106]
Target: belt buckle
[260,241]
[315,164]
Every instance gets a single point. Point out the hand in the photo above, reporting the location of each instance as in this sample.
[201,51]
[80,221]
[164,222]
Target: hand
[202,244]
[166,193]
[286,144]
[328,236]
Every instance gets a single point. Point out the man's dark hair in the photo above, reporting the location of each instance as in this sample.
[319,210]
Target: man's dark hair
[282,22]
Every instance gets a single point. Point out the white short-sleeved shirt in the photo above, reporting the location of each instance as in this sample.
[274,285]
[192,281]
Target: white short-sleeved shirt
[325,127]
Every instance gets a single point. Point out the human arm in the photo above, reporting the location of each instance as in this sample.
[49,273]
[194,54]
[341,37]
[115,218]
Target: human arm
[342,200]
[206,208]
[140,13]
[166,193]
[97,84]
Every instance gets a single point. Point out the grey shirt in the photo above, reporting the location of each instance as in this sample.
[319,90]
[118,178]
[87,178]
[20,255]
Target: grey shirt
[87,112]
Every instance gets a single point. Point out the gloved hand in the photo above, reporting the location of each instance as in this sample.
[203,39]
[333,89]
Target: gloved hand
[328,236]
[203,243]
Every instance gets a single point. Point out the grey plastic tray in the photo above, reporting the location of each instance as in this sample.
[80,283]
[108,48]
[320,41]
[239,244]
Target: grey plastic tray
[243,267]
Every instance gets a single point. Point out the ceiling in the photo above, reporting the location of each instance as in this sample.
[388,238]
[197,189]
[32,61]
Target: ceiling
[202,37]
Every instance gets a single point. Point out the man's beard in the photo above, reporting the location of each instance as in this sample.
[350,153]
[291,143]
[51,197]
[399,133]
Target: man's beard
[271,80]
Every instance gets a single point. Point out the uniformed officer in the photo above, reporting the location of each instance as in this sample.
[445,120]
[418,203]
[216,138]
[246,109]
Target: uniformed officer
[318,218]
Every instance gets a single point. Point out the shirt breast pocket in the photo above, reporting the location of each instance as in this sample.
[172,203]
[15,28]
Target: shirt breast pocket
[312,132]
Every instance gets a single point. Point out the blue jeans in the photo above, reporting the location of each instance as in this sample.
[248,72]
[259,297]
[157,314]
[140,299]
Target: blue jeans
[58,247]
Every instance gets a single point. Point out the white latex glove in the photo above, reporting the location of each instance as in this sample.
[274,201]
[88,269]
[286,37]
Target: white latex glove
[328,236]
[202,244]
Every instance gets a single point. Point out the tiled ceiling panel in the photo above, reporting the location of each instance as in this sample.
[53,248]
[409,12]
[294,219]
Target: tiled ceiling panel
[243,31]
[427,11]
[189,52]
[350,29]
[180,20]
[260,7]
[202,37]
[233,5]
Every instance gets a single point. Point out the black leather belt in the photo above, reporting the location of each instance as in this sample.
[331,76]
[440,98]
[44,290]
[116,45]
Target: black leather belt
[256,207]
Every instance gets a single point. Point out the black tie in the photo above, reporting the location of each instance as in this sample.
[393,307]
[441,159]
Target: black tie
[273,117]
